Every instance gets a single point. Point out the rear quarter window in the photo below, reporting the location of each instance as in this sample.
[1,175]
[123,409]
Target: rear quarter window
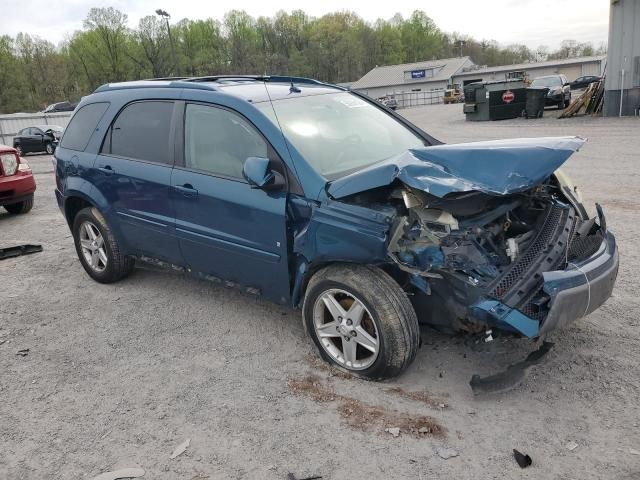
[82,125]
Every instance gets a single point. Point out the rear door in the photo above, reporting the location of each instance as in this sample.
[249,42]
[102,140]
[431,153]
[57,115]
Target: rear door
[227,229]
[133,173]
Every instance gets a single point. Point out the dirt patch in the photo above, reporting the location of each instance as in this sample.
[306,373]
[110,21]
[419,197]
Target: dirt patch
[364,417]
[422,397]
[361,416]
[311,386]
[317,363]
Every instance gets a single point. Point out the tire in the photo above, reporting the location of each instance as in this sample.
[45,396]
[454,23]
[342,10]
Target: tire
[49,148]
[117,266]
[388,318]
[19,150]
[21,207]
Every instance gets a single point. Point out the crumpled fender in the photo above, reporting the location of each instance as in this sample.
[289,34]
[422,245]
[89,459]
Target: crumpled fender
[497,167]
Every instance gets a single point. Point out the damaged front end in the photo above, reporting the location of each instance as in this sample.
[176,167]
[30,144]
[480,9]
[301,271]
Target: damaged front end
[506,244]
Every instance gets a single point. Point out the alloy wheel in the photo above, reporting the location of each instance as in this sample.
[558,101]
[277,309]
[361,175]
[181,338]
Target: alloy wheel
[92,245]
[346,330]
[49,148]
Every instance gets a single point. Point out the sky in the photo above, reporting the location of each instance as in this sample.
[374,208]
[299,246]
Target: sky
[531,22]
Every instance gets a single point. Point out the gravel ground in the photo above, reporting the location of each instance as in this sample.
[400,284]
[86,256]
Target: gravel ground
[119,375]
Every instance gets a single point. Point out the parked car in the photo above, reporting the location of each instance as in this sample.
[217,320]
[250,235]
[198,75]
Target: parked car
[559,89]
[389,101]
[317,197]
[60,107]
[42,138]
[584,81]
[17,184]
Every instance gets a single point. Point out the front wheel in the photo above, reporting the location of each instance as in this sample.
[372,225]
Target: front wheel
[20,207]
[49,149]
[98,249]
[361,321]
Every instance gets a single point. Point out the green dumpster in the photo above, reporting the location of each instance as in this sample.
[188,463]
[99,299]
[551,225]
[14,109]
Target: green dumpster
[494,100]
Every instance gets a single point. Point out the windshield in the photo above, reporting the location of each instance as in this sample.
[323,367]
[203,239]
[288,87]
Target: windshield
[339,132]
[547,82]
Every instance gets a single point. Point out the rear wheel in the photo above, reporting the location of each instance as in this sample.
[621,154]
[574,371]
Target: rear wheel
[20,207]
[361,321]
[98,249]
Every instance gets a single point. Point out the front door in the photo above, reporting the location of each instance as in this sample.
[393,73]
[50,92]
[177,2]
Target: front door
[227,229]
[133,173]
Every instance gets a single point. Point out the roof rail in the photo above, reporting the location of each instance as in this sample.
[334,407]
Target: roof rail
[264,78]
[152,83]
[203,83]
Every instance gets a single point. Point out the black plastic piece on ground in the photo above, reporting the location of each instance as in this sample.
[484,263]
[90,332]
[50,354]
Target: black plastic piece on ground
[18,250]
[523,460]
[512,376]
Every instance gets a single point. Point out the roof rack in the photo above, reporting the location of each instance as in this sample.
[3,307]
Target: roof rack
[203,83]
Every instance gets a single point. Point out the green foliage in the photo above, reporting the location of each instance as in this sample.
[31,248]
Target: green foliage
[336,47]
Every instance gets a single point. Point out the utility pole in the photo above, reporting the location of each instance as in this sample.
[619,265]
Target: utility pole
[166,16]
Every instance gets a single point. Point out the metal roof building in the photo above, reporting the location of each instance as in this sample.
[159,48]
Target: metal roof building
[411,77]
[572,68]
[622,85]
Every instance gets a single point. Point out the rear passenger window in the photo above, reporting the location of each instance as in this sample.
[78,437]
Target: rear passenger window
[218,141]
[142,132]
[83,124]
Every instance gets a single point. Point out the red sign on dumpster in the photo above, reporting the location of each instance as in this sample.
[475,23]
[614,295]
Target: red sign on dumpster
[508,96]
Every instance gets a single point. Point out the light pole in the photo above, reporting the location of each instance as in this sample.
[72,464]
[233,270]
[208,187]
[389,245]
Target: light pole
[166,16]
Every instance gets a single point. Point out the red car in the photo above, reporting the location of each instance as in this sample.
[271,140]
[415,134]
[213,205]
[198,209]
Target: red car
[16,181]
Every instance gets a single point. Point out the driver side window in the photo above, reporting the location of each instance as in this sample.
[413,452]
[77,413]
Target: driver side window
[218,141]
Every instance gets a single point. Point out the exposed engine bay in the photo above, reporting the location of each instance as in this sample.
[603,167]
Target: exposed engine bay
[471,246]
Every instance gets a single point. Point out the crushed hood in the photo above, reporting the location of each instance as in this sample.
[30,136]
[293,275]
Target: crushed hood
[497,167]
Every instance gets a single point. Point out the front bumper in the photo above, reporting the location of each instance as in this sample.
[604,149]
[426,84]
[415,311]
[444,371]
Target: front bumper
[582,287]
[574,292]
[16,188]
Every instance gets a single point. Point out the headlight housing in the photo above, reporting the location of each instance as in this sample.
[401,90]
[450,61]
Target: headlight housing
[9,163]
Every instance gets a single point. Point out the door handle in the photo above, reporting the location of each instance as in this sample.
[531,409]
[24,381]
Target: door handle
[107,170]
[186,190]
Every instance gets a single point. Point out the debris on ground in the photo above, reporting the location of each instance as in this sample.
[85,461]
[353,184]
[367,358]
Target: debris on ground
[122,473]
[571,446]
[180,449]
[395,431]
[10,252]
[591,99]
[362,416]
[23,353]
[512,376]
[291,476]
[522,459]
[446,452]
[633,451]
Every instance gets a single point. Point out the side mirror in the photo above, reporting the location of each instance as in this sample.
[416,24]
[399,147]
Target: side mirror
[256,171]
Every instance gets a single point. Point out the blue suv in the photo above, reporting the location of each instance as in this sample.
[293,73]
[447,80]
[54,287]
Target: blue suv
[321,198]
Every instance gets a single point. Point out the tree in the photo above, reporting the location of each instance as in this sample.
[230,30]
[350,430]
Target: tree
[337,47]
